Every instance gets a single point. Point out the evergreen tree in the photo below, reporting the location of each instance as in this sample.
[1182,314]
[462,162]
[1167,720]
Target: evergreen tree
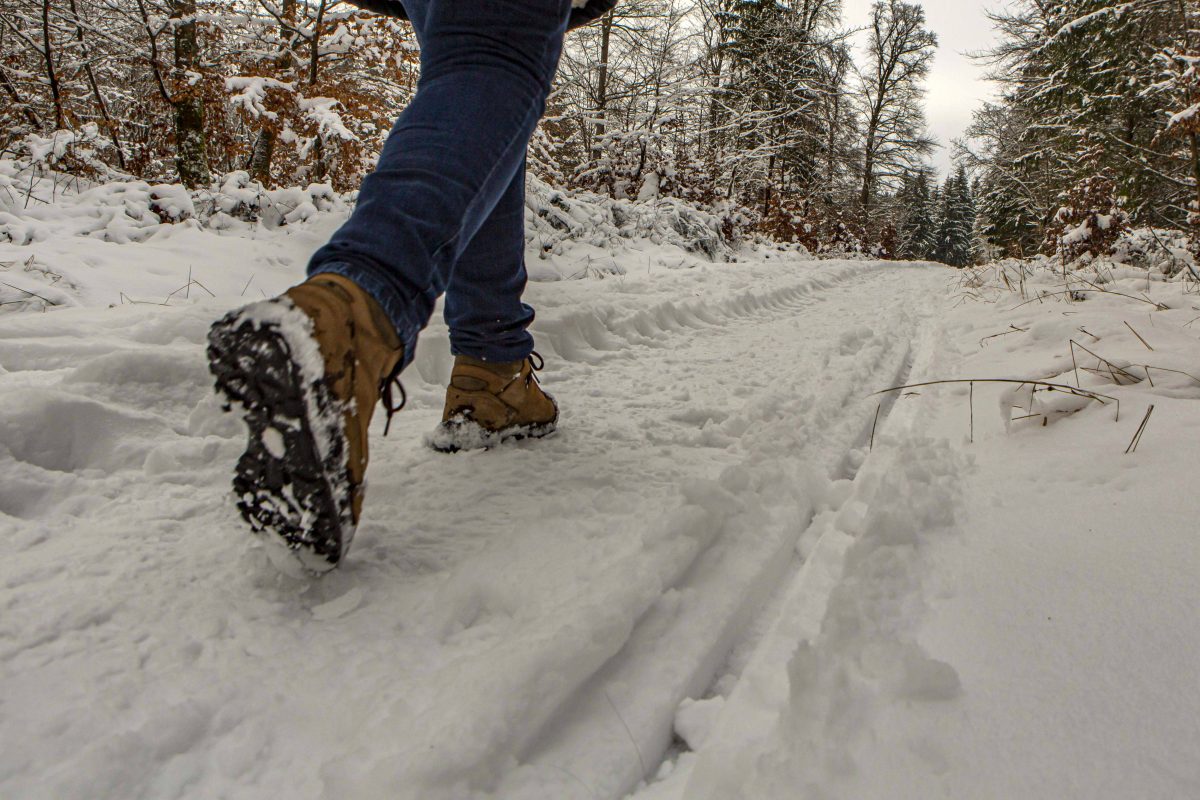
[778,56]
[956,230]
[1083,85]
[917,228]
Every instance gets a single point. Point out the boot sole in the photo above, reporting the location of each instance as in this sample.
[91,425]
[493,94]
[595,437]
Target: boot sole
[291,483]
[463,435]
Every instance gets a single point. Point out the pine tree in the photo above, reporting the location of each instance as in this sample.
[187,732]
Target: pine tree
[1083,84]
[777,72]
[956,230]
[917,228]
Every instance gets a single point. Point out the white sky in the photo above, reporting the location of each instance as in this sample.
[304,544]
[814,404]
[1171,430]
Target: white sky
[956,85]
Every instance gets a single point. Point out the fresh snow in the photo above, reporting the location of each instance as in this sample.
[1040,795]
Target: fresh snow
[999,607]
[735,571]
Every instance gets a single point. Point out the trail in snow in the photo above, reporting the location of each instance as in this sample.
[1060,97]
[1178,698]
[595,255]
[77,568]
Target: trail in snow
[1002,601]
[519,623]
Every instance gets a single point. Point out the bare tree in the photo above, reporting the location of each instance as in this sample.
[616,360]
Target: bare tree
[85,57]
[899,52]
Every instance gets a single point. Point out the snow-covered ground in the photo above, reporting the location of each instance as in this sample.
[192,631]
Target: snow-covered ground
[734,572]
[1005,604]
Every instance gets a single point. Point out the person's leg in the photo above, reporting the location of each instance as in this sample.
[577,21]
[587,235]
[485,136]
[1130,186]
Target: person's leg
[486,69]
[493,395]
[309,367]
[484,312]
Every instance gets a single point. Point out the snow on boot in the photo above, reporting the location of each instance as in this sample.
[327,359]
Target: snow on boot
[308,368]
[488,403]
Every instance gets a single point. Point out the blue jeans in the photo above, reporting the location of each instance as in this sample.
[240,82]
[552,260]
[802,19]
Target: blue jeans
[444,210]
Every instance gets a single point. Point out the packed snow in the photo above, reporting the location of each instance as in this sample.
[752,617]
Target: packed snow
[735,572]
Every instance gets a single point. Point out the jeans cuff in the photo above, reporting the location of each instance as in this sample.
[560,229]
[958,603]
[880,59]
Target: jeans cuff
[498,354]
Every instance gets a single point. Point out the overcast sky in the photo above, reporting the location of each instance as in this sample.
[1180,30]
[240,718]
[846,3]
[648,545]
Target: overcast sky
[956,85]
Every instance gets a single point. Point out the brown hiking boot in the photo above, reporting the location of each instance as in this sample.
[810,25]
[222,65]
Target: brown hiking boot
[308,367]
[488,403]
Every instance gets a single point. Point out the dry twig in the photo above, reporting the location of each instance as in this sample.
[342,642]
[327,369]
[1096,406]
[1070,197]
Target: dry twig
[875,424]
[1014,329]
[1157,306]
[1139,336]
[1137,437]
[1045,385]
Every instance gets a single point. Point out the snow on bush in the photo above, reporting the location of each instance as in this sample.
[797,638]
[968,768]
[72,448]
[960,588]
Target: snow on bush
[1162,251]
[74,154]
[237,198]
[1089,221]
[35,199]
[37,202]
[554,217]
[45,214]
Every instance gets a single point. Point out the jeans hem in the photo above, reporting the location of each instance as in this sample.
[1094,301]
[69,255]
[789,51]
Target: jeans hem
[495,355]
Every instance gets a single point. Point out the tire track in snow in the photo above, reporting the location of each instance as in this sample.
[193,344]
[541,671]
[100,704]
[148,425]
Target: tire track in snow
[597,330]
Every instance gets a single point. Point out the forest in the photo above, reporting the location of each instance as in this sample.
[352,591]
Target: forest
[775,116]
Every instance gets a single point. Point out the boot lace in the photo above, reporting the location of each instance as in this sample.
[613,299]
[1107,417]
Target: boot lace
[534,366]
[390,406]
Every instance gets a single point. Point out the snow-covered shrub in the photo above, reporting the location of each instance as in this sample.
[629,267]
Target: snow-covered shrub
[171,202]
[1138,254]
[787,220]
[553,217]
[75,153]
[1158,249]
[133,211]
[644,165]
[1183,123]
[35,197]
[1089,222]
[239,198]
[887,242]
[820,227]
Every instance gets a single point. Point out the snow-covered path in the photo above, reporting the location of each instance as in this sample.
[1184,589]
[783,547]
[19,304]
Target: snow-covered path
[521,623]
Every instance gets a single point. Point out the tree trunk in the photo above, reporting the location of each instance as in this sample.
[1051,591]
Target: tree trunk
[1194,141]
[261,155]
[606,25]
[320,164]
[1193,138]
[191,156]
[767,186]
[868,177]
[263,152]
[51,74]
